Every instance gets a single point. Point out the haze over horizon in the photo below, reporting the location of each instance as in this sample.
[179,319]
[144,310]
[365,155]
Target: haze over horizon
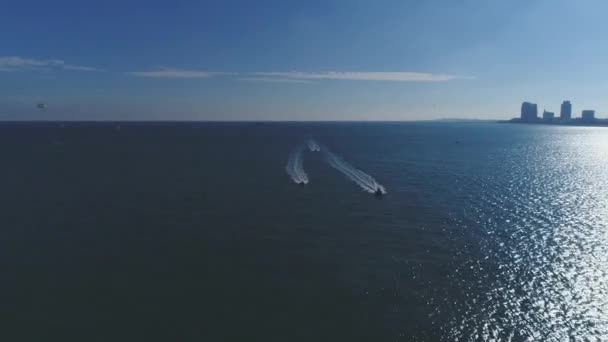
[306,60]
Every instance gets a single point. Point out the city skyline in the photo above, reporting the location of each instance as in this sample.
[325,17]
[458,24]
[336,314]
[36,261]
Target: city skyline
[529,114]
[335,60]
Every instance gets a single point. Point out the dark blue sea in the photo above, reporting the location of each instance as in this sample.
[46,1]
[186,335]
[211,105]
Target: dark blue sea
[198,232]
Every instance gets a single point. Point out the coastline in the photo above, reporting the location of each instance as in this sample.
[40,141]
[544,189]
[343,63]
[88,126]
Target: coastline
[574,122]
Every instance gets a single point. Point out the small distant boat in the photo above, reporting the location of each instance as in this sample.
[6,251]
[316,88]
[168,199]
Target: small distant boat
[378,192]
[41,106]
[301,183]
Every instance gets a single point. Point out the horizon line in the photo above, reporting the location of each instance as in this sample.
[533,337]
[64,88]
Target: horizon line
[236,121]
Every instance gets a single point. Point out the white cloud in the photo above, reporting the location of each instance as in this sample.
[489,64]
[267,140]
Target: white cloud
[273,80]
[177,73]
[15,63]
[302,77]
[362,76]
[79,68]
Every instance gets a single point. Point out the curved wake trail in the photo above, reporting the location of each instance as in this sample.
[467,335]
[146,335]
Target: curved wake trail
[365,181]
[313,146]
[295,166]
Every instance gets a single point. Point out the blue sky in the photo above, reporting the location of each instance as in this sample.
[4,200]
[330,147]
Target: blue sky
[300,60]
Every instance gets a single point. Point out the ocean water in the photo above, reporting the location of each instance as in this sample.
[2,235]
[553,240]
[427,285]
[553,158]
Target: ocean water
[199,232]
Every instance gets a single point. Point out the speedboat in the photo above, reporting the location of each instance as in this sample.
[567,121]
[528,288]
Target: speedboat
[378,192]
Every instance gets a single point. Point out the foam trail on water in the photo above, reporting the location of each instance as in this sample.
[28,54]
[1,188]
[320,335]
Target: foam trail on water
[365,181]
[313,146]
[295,166]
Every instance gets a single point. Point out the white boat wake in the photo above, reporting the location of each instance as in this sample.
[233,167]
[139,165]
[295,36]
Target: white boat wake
[313,146]
[365,181]
[295,166]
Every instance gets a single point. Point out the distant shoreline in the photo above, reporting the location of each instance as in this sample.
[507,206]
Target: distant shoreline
[33,121]
[574,122]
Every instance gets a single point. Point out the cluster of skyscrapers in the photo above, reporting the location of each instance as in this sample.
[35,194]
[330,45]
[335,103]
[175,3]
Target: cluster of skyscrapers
[529,113]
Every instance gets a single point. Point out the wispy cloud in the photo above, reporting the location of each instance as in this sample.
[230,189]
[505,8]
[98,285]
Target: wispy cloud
[303,77]
[178,73]
[362,76]
[273,80]
[79,68]
[15,63]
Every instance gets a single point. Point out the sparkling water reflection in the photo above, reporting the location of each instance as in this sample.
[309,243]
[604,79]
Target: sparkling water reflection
[544,242]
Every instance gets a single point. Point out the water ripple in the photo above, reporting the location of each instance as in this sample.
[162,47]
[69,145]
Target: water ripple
[543,274]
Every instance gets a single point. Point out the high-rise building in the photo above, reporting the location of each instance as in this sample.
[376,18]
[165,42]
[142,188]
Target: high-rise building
[566,111]
[548,116]
[588,115]
[529,112]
